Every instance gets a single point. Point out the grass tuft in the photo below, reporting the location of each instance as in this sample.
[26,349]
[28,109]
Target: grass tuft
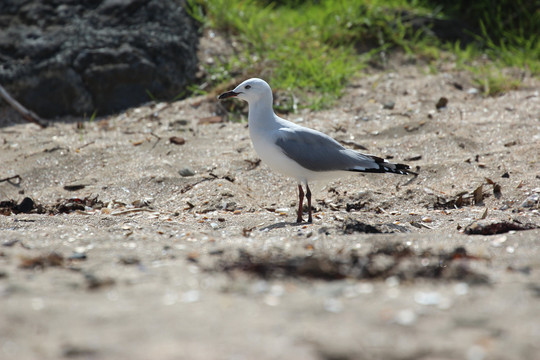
[314,47]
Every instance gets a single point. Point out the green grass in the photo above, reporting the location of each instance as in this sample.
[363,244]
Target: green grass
[315,47]
[508,37]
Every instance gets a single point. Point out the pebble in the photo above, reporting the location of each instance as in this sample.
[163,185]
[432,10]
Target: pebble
[333,305]
[427,298]
[38,303]
[142,202]
[498,241]
[190,296]
[531,201]
[461,288]
[77,256]
[186,172]
[392,281]
[364,288]
[271,300]
[442,103]
[170,298]
[389,105]
[405,317]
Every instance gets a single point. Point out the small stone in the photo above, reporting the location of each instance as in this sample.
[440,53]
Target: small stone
[228,205]
[77,256]
[461,288]
[333,305]
[531,201]
[142,202]
[427,298]
[129,260]
[178,123]
[498,241]
[177,140]
[185,172]
[406,317]
[441,103]
[190,296]
[26,205]
[389,105]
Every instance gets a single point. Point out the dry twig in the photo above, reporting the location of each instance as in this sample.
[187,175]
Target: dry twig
[26,114]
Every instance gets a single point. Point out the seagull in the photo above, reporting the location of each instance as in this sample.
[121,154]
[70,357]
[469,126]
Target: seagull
[299,152]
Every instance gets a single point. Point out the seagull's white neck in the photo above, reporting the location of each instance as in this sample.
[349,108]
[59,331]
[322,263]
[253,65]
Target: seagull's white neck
[261,114]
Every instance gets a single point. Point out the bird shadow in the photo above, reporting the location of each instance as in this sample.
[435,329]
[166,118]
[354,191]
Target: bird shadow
[281,225]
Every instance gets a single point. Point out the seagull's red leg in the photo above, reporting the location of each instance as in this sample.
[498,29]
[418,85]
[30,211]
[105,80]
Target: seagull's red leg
[300,203]
[308,196]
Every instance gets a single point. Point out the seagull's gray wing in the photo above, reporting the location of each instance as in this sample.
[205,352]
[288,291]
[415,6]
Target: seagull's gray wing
[316,151]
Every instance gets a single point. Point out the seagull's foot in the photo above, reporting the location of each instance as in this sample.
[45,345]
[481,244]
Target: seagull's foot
[300,220]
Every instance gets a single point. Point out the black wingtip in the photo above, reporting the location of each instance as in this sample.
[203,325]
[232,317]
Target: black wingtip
[386,167]
[402,169]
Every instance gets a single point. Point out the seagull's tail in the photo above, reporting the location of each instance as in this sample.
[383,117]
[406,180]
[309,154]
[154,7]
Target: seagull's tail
[375,164]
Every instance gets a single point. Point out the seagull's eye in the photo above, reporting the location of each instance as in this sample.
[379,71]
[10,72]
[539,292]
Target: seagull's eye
[247,87]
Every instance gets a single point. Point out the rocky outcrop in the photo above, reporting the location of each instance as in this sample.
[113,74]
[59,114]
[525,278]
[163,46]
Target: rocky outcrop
[61,57]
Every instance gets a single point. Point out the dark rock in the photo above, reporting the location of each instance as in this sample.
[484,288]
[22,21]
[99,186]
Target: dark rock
[389,105]
[65,57]
[441,103]
[26,205]
[186,172]
[351,226]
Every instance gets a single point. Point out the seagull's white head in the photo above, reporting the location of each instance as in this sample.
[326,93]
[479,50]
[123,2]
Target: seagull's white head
[251,90]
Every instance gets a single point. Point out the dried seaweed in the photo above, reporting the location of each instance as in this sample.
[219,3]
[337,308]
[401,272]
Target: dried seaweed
[351,226]
[464,198]
[61,206]
[492,228]
[41,261]
[379,263]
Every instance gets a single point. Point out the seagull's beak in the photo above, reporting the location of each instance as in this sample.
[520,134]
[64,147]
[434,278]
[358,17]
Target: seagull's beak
[228,94]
